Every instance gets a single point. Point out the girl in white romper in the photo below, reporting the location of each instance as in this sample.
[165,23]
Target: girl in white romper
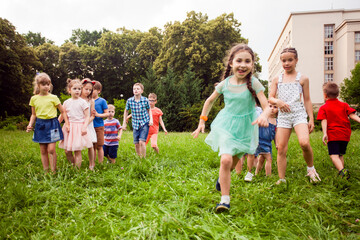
[290,87]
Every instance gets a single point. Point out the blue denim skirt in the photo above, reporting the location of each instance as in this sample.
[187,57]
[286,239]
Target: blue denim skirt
[47,131]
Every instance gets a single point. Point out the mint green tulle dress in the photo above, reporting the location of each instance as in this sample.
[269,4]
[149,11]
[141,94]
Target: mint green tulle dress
[231,131]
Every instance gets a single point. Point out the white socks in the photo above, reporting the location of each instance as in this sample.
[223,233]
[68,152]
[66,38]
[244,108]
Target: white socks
[225,199]
[310,168]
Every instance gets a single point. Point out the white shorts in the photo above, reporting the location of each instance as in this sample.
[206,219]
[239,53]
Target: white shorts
[291,119]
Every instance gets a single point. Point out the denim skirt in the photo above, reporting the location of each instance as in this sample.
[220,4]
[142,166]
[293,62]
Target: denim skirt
[47,131]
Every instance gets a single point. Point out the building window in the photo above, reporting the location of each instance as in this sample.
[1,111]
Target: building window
[329,77]
[357,55]
[329,31]
[329,63]
[329,48]
[357,37]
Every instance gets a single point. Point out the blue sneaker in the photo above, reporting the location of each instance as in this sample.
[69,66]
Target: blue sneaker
[222,207]
[217,185]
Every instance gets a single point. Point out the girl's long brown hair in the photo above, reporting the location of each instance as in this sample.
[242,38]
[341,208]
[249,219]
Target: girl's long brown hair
[230,57]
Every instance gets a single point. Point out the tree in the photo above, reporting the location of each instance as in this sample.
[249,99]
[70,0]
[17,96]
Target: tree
[84,37]
[35,39]
[350,88]
[48,55]
[18,65]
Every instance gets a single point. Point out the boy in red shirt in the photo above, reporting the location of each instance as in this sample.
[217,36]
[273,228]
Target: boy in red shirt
[335,123]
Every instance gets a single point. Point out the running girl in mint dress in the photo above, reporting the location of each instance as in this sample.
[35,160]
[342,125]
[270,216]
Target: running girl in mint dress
[234,131]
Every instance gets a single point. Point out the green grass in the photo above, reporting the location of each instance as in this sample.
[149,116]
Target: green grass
[172,195]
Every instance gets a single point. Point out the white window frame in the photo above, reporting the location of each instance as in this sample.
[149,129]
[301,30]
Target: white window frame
[329,63]
[329,47]
[329,31]
[357,55]
[357,37]
[329,77]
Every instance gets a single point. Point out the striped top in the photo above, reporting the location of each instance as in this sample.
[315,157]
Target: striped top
[111,129]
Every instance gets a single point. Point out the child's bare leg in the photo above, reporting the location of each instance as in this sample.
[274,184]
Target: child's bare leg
[239,165]
[70,157]
[337,162]
[51,148]
[282,138]
[78,159]
[250,162]
[255,162]
[302,133]
[142,149]
[137,149]
[44,156]
[260,164]
[91,154]
[100,151]
[342,160]
[156,149]
[112,160]
[226,163]
[268,164]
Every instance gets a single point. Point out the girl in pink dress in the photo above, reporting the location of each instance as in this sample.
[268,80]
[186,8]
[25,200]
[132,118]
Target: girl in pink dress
[86,94]
[76,138]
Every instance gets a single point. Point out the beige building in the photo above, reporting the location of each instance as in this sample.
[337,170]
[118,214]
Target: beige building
[328,45]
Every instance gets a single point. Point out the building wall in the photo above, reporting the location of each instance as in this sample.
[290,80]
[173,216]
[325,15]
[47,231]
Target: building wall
[306,31]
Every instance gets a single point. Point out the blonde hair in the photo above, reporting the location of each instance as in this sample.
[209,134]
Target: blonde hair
[152,95]
[111,106]
[140,85]
[41,78]
[72,82]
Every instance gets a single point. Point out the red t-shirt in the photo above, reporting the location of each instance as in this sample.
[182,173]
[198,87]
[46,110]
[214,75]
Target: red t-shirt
[156,114]
[338,124]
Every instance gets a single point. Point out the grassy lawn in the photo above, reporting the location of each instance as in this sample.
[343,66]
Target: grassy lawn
[172,195]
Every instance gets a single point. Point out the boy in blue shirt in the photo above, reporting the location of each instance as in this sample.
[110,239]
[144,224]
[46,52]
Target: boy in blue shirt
[141,118]
[101,112]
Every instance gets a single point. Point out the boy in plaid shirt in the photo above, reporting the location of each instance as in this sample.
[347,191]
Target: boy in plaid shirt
[141,118]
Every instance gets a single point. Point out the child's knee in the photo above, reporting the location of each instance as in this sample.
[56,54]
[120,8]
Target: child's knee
[226,161]
[305,145]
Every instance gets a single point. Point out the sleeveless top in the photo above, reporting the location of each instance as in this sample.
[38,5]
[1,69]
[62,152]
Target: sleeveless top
[291,92]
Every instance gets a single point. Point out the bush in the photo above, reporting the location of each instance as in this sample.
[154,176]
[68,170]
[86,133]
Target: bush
[10,127]
[19,122]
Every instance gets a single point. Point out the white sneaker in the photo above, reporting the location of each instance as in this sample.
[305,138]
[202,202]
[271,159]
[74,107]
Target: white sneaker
[249,177]
[313,175]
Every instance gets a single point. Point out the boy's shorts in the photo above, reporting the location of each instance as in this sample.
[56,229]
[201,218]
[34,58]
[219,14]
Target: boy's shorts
[110,151]
[141,134]
[153,137]
[99,136]
[263,149]
[337,147]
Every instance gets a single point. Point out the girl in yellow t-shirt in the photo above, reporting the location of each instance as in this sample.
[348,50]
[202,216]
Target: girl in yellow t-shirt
[47,127]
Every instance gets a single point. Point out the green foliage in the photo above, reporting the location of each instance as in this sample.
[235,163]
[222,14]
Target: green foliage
[171,195]
[63,97]
[35,39]
[84,37]
[350,88]
[18,64]
[119,109]
[265,83]
[20,122]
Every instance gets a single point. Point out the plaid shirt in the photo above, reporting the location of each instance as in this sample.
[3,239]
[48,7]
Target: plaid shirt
[139,111]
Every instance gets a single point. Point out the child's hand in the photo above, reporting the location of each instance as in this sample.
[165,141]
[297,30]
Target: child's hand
[261,121]
[325,139]
[311,126]
[67,127]
[166,132]
[283,106]
[150,123]
[93,113]
[201,128]
[83,131]
[29,128]
[124,127]
[118,137]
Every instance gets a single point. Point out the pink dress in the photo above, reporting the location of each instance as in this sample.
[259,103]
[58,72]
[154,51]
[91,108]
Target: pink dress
[73,140]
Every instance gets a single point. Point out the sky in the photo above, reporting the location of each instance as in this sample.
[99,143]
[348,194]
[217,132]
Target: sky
[261,20]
